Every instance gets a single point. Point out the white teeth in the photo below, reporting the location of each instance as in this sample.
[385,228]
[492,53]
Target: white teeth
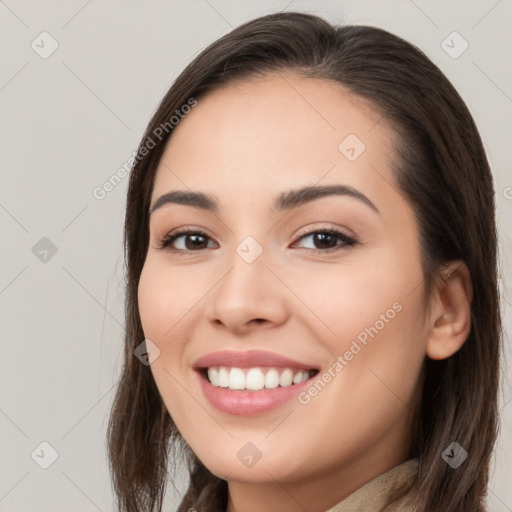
[213,375]
[254,378]
[236,379]
[286,378]
[272,379]
[300,377]
[223,378]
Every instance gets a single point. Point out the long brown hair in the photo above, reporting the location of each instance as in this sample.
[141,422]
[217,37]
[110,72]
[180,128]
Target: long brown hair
[442,170]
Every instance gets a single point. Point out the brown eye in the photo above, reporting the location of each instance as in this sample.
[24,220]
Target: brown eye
[323,241]
[191,241]
[326,240]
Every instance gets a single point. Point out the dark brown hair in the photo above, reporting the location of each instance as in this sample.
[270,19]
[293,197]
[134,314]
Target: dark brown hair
[442,170]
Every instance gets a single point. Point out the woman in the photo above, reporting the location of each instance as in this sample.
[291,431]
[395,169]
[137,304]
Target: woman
[344,357]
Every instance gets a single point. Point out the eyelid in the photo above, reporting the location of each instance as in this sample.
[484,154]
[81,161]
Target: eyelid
[348,240]
[325,227]
[164,242]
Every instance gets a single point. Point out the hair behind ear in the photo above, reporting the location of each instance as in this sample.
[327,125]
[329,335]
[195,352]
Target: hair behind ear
[442,170]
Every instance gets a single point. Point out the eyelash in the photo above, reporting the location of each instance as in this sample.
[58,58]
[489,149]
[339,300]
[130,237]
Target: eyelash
[348,241]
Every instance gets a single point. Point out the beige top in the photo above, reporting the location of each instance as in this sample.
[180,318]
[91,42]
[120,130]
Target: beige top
[389,492]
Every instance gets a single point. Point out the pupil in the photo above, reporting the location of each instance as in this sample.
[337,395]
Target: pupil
[196,241]
[322,237]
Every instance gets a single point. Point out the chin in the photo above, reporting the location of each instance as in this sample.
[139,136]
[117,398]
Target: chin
[249,465]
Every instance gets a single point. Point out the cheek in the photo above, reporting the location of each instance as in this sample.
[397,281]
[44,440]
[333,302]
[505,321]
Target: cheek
[165,299]
[354,295]
[370,316]
[370,385]
[163,305]
[151,301]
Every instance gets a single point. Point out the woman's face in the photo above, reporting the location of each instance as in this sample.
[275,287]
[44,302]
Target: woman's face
[263,277]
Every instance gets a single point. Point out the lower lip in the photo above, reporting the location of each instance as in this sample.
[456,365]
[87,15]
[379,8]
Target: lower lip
[249,403]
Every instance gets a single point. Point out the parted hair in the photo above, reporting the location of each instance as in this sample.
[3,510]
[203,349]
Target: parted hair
[442,170]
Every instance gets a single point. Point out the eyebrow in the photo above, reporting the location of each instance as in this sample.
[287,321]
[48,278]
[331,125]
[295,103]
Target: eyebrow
[285,201]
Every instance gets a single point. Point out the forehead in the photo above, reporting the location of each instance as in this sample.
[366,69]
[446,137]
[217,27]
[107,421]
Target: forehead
[273,131]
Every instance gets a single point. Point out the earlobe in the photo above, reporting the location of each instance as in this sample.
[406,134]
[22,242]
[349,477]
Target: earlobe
[450,321]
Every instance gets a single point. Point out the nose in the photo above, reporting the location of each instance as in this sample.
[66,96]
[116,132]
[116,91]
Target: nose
[248,297]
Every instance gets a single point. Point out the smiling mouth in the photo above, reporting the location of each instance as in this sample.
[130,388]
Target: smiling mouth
[256,378]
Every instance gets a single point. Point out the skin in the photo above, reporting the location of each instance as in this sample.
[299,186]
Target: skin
[244,144]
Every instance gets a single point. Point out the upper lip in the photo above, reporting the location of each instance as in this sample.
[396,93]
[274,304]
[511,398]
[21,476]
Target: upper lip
[248,359]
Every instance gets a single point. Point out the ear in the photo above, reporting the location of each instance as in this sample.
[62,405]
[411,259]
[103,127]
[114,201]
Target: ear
[450,320]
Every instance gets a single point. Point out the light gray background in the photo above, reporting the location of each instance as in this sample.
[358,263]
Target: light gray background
[68,122]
